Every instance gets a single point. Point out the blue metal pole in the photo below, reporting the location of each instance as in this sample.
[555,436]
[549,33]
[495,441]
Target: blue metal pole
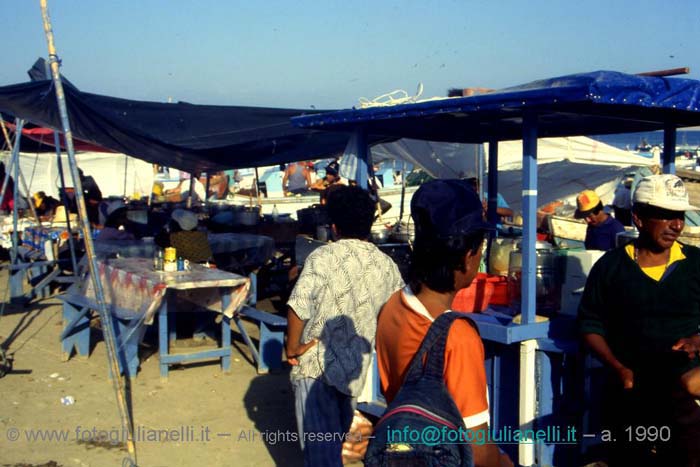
[105,316]
[12,158]
[14,166]
[493,181]
[21,175]
[64,200]
[668,158]
[364,165]
[64,197]
[492,187]
[529,258]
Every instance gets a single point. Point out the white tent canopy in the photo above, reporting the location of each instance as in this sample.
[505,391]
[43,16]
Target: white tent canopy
[115,174]
[579,149]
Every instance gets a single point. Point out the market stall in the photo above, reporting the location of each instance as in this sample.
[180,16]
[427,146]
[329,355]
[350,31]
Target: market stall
[541,354]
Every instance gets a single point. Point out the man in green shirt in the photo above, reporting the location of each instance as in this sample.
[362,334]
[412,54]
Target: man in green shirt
[640,314]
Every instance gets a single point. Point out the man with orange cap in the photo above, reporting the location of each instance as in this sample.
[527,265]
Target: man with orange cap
[602,227]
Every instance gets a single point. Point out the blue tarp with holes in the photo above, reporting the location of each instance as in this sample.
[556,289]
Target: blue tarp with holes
[601,102]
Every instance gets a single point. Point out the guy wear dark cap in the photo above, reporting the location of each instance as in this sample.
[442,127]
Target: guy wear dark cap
[446,208]
[333,168]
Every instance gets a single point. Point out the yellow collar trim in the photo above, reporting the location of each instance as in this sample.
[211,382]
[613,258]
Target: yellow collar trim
[657,272]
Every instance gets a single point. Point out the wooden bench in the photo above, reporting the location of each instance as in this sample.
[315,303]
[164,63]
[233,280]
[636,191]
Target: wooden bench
[268,354]
[128,328]
[39,271]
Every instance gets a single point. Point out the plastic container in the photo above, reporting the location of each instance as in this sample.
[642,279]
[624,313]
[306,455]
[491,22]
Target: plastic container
[500,255]
[478,295]
[499,297]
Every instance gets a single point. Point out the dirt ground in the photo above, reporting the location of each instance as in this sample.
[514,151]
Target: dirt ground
[199,416]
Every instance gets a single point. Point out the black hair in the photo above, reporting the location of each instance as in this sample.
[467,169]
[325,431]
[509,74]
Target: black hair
[116,218]
[435,259]
[174,226]
[351,209]
[594,210]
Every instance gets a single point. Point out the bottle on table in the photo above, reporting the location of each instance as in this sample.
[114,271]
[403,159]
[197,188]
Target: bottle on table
[158,259]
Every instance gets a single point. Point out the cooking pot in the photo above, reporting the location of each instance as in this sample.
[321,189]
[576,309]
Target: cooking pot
[380,234]
[403,232]
[311,217]
[246,216]
[547,279]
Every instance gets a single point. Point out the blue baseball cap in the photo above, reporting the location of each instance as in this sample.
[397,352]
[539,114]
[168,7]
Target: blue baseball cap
[446,208]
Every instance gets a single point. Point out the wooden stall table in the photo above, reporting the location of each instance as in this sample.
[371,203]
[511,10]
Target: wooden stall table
[135,293]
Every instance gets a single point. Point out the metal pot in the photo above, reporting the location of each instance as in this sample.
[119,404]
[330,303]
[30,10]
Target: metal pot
[547,279]
[380,235]
[403,233]
[246,216]
[311,217]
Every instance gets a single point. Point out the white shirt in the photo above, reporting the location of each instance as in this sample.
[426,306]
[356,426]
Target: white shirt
[339,294]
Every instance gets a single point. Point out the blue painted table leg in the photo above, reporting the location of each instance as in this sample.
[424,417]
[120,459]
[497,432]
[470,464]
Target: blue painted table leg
[496,405]
[253,297]
[172,319]
[36,274]
[271,344]
[225,331]
[163,342]
[76,328]
[17,286]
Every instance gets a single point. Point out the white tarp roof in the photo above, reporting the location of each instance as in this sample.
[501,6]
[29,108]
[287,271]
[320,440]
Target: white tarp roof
[578,149]
[108,169]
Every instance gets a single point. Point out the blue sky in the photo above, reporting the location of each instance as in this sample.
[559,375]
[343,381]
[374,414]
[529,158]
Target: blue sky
[328,54]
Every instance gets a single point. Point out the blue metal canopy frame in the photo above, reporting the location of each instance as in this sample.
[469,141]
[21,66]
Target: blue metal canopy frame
[600,102]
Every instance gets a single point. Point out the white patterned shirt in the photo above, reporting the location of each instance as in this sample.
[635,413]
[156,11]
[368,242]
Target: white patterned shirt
[339,294]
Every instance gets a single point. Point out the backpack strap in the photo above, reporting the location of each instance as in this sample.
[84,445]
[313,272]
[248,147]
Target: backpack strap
[433,345]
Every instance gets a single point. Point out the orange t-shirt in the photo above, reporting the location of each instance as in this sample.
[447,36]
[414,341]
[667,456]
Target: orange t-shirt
[402,324]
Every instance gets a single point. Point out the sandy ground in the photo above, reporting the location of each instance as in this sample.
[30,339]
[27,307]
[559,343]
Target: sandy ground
[211,418]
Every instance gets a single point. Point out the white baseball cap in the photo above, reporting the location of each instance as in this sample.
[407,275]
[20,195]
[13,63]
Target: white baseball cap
[664,191]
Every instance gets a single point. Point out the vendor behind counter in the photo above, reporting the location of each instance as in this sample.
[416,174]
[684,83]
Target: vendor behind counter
[181,233]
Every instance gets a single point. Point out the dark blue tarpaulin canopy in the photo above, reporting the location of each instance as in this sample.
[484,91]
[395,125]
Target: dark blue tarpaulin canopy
[185,136]
[601,102]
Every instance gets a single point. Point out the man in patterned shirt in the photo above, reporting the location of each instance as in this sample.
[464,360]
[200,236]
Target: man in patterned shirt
[332,322]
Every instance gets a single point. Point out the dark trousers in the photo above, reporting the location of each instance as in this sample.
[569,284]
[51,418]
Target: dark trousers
[655,424]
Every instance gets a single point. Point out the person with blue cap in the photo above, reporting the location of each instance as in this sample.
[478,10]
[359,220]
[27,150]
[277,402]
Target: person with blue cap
[449,235]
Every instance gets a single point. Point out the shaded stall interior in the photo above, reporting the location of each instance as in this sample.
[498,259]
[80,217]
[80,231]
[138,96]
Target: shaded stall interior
[539,376]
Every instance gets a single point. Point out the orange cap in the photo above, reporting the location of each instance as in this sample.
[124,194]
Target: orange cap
[586,202]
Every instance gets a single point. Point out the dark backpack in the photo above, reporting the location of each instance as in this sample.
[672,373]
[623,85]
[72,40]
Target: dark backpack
[411,431]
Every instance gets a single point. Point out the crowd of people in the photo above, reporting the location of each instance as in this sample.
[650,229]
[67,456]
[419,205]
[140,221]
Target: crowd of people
[640,315]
